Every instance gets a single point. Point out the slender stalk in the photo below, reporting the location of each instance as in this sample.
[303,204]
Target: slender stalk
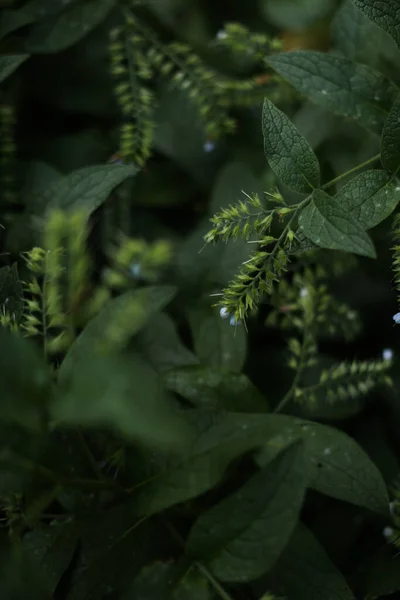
[290,392]
[217,586]
[351,171]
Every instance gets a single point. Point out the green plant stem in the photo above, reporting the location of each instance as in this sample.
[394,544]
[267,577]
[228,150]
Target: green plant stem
[90,458]
[351,171]
[288,396]
[217,587]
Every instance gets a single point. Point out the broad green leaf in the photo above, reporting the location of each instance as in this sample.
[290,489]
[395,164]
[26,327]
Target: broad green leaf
[215,387]
[288,153]
[305,572]
[262,516]
[118,321]
[10,63]
[51,549]
[338,466]
[369,197]
[160,344]
[68,27]
[122,394]
[384,13]
[346,88]
[23,399]
[325,222]
[390,142]
[11,292]
[216,342]
[360,39]
[85,189]
[113,551]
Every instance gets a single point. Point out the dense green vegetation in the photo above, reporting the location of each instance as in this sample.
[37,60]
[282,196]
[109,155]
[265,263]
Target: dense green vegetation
[200,268]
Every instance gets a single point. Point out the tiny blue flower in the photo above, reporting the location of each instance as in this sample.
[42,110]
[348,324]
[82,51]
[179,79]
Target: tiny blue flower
[224,313]
[396,318]
[136,269]
[388,532]
[387,354]
[209,146]
[221,35]
[303,292]
[233,321]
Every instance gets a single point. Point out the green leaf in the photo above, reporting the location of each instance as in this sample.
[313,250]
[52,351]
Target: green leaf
[216,342]
[385,14]
[113,552]
[215,387]
[10,63]
[161,346]
[11,292]
[124,395]
[339,467]
[369,197]
[346,88]
[305,572]
[360,39]
[118,321]
[262,516]
[51,549]
[85,189]
[295,14]
[324,221]
[390,142]
[68,27]
[29,13]
[288,153]
[23,399]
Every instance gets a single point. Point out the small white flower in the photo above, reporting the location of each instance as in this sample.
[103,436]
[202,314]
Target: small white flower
[388,532]
[209,146]
[304,292]
[387,354]
[327,451]
[221,35]
[224,313]
[135,269]
[396,318]
[233,321]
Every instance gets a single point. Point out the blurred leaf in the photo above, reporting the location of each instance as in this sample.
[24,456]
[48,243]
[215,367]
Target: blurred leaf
[369,197]
[51,549]
[122,318]
[390,143]
[325,222]
[11,291]
[65,29]
[305,572]
[10,63]
[385,15]
[288,152]
[113,553]
[160,344]
[124,395]
[262,516]
[84,189]
[216,342]
[215,387]
[295,14]
[360,39]
[346,88]
[29,13]
[25,382]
